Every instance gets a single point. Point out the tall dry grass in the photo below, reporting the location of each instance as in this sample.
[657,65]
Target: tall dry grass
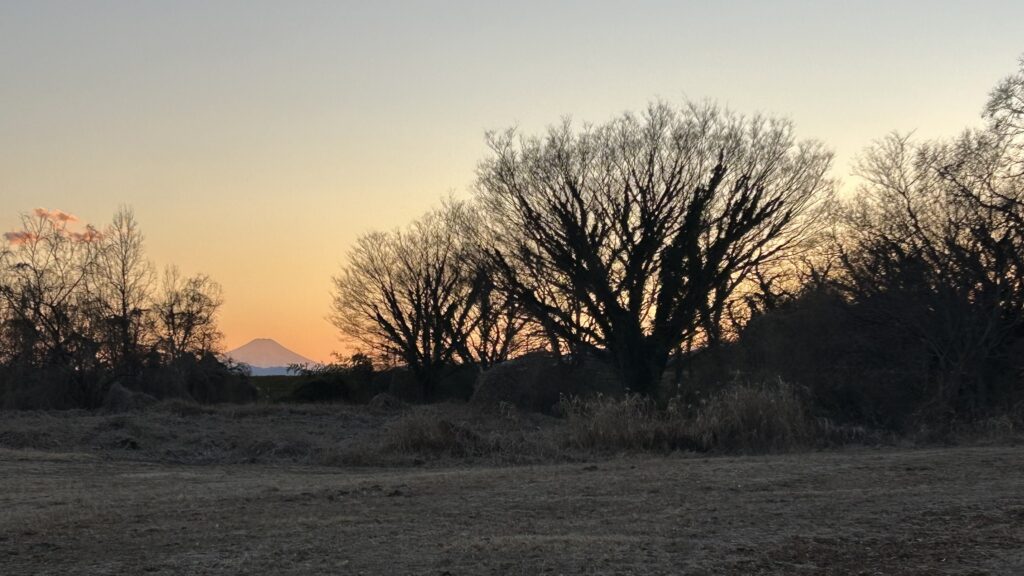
[464,432]
[630,423]
[771,417]
[747,418]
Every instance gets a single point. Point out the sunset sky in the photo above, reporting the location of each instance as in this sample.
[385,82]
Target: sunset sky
[256,140]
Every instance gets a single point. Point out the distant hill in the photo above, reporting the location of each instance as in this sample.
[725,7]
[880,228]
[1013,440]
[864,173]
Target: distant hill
[266,357]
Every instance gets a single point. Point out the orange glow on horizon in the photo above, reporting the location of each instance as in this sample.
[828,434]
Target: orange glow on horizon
[255,145]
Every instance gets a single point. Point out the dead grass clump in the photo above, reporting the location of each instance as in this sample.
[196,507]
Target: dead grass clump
[745,418]
[426,432]
[181,407]
[755,418]
[628,423]
[274,411]
[272,450]
[442,431]
[27,439]
[1003,428]
[828,434]
[385,402]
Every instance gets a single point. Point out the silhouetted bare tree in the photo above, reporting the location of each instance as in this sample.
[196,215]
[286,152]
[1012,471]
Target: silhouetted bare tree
[499,324]
[625,237]
[420,294]
[78,313]
[44,285]
[186,315]
[1005,107]
[123,288]
[935,247]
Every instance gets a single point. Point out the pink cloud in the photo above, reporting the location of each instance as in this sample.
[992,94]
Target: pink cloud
[90,235]
[55,215]
[18,238]
[59,220]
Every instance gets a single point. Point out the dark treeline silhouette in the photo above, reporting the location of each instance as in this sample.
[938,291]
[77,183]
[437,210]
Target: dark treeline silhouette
[82,312]
[670,253]
[687,248]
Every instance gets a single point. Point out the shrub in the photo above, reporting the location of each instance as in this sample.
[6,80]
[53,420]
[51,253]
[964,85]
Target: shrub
[121,399]
[319,390]
[454,383]
[538,381]
[385,402]
[353,381]
[853,372]
[206,380]
[54,387]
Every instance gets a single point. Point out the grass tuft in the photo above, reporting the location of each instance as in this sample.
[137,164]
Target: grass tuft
[745,418]
[755,418]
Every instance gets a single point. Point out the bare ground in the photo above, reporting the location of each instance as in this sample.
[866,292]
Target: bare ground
[854,511]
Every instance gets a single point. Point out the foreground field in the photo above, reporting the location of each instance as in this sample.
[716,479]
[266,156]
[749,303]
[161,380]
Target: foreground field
[893,512]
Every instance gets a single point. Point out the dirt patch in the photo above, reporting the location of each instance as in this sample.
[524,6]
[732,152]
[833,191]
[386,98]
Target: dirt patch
[185,433]
[948,511]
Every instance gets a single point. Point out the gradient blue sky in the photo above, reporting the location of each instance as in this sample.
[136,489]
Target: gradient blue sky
[256,140]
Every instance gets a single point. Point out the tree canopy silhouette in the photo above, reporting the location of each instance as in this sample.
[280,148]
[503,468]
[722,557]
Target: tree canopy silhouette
[620,238]
[419,294]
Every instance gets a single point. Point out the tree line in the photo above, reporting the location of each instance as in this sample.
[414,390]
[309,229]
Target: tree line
[82,307]
[683,247]
[686,245]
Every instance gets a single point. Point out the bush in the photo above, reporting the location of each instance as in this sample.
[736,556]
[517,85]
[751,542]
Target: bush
[385,402]
[455,383]
[319,390]
[48,388]
[853,372]
[206,380]
[354,381]
[212,381]
[537,382]
[121,399]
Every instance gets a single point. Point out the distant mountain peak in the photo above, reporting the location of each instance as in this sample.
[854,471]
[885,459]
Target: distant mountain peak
[266,353]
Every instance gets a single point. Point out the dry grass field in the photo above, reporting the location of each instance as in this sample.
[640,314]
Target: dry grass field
[109,494]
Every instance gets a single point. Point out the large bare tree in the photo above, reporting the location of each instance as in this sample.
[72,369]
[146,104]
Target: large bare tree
[419,294]
[621,238]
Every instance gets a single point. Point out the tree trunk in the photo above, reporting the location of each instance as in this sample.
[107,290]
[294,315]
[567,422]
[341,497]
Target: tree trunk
[641,364]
